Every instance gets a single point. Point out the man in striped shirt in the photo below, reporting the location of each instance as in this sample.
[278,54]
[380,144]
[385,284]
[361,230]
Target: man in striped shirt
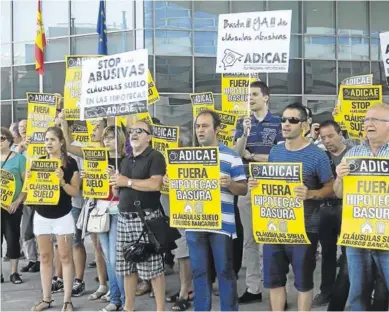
[202,242]
[360,260]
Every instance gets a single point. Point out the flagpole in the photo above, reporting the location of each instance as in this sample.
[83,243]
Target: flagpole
[40,83]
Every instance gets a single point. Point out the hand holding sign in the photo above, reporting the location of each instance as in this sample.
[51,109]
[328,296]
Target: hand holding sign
[225,181]
[117,180]
[59,174]
[252,183]
[246,125]
[342,169]
[301,192]
[165,180]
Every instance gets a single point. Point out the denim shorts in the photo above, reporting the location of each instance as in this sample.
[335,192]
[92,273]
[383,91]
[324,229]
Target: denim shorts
[276,260]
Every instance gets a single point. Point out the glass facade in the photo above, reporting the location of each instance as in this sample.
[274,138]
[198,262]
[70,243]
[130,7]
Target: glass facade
[331,40]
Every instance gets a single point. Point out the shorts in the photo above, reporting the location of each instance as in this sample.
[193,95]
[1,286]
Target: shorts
[128,231]
[61,226]
[276,260]
[182,251]
[78,241]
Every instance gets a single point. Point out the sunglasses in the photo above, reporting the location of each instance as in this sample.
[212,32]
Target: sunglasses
[137,131]
[3,138]
[292,120]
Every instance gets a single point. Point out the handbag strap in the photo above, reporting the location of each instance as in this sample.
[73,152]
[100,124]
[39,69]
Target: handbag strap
[5,161]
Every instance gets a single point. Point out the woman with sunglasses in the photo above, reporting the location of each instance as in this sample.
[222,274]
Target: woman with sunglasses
[57,220]
[15,164]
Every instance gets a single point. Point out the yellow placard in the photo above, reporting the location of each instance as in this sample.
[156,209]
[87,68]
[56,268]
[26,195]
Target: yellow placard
[153,96]
[202,101]
[7,189]
[43,185]
[142,116]
[235,93]
[194,188]
[96,182]
[165,137]
[363,80]
[365,215]
[355,101]
[81,135]
[278,215]
[226,134]
[72,88]
[41,110]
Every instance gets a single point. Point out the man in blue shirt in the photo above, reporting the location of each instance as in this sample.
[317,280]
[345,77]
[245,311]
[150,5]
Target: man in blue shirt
[255,136]
[317,185]
[218,242]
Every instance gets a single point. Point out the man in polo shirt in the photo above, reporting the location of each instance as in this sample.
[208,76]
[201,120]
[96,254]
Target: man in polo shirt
[317,186]
[218,242]
[362,260]
[140,179]
[255,136]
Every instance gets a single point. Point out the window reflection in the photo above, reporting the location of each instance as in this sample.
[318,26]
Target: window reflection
[174,74]
[378,71]
[288,83]
[278,103]
[25,13]
[321,109]
[25,80]
[319,77]
[5,56]
[247,6]
[84,17]
[56,49]
[206,14]
[295,6]
[20,108]
[352,18]
[173,15]
[6,113]
[319,17]
[349,69]
[119,15]
[120,42]
[206,77]
[378,17]
[85,45]
[205,43]
[5,83]
[55,17]
[148,13]
[353,48]
[173,42]
[24,52]
[5,22]
[54,78]
[319,47]
[375,49]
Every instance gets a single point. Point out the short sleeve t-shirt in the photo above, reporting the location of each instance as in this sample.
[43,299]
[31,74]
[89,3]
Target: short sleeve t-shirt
[147,164]
[316,172]
[64,205]
[16,165]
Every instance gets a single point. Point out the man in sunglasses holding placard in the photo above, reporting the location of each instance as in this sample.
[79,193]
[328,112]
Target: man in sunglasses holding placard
[317,185]
[140,179]
[255,136]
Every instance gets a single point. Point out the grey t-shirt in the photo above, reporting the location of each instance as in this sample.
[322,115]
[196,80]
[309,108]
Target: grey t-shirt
[338,159]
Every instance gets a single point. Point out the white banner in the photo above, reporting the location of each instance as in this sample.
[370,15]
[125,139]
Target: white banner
[254,42]
[114,85]
[384,37]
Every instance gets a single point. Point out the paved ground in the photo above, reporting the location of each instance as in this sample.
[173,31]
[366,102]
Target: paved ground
[22,297]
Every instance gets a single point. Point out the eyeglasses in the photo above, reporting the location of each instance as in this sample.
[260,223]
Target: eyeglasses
[3,138]
[137,131]
[292,120]
[374,120]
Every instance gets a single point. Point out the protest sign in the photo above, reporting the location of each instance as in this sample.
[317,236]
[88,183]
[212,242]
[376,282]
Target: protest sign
[194,188]
[355,101]
[7,189]
[142,117]
[226,134]
[365,212]
[278,215]
[384,38]
[362,80]
[96,181]
[201,101]
[153,95]
[41,111]
[165,137]
[43,185]
[72,89]
[235,90]
[114,85]
[254,42]
[81,135]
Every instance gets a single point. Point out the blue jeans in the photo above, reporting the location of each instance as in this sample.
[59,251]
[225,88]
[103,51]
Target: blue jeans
[360,266]
[201,244]
[108,245]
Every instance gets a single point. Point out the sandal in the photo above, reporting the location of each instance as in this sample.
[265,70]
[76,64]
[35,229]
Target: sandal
[181,305]
[15,278]
[112,307]
[144,288]
[97,295]
[38,306]
[174,297]
[106,297]
[66,306]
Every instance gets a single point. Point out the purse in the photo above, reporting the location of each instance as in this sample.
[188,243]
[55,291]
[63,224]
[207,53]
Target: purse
[99,220]
[137,252]
[162,237]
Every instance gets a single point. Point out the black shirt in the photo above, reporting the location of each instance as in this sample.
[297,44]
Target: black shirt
[147,164]
[64,205]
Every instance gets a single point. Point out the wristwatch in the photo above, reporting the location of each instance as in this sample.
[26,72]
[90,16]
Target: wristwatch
[129,183]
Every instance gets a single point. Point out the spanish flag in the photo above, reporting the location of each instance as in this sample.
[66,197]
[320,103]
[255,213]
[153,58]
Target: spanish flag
[40,42]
